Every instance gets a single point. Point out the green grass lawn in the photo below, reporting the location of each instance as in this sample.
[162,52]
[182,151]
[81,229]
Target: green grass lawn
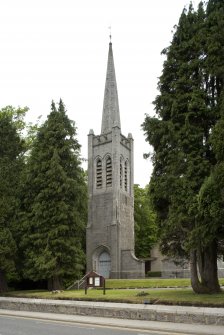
[147,283]
[150,283]
[154,291]
[178,296]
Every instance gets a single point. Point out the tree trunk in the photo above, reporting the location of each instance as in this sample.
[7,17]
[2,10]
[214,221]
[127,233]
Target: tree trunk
[3,282]
[209,275]
[206,262]
[195,282]
[54,284]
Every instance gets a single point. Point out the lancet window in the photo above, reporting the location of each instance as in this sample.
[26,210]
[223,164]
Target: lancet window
[99,178]
[121,173]
[126,175]
[108,171]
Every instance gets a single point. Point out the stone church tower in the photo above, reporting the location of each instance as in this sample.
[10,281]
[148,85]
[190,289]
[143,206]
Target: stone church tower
[110,229]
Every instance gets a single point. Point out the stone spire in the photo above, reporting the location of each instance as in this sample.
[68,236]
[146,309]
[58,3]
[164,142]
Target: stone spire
[111,114]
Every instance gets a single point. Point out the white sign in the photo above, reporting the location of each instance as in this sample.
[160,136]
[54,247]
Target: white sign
[97,281]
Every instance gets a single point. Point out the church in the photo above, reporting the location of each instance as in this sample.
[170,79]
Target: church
[110,228]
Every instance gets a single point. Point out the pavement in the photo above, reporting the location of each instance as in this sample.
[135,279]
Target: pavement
[164,327]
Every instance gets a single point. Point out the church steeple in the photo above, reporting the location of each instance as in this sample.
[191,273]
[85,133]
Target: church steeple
[110,229]
[111,114]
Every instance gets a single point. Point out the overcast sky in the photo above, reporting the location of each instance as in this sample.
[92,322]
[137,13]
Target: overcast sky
[53,49]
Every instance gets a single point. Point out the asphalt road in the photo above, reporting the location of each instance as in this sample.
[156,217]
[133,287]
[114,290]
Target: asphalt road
[10,325]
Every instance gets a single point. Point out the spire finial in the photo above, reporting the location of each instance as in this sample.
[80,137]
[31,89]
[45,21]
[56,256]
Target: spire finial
[110,33]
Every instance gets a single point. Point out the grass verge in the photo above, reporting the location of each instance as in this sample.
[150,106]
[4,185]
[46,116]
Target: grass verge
[136,291]
[150,296]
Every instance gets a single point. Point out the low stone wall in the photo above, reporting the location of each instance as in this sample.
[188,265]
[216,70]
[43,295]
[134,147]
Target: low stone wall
[178,314]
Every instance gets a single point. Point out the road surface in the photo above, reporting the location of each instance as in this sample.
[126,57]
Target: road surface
[10,325]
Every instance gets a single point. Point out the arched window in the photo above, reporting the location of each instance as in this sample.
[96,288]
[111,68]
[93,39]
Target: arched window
[99,179]
[126,175]
[108,171]
[121,173]
[104,264]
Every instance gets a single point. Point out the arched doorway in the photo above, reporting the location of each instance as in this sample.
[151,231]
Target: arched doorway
[104,264]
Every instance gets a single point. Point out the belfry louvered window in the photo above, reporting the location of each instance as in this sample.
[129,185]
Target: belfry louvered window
[121,173]
[108,172]
[99,179]
[126,176]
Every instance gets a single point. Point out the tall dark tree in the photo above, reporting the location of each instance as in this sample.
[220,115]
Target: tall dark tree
[213,69]
[211,195]
[54,204]
[186,112]
[11,165]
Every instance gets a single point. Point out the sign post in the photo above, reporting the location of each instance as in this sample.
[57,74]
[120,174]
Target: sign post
[95,280]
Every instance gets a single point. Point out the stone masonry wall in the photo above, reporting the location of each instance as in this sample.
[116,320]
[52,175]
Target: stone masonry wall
[180,314]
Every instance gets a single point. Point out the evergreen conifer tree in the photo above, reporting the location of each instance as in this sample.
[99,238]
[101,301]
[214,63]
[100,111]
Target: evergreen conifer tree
[11,166]
[54,204]
[186,112]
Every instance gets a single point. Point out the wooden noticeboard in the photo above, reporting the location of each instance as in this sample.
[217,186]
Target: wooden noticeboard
[94,280]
